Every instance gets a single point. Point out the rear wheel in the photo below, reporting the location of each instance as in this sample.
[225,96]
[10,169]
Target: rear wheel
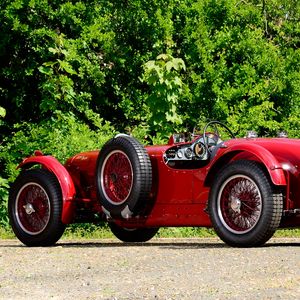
[244,206]
[34,207]
[132,235]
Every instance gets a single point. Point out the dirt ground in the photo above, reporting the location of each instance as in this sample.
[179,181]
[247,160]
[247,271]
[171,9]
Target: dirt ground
[160,269]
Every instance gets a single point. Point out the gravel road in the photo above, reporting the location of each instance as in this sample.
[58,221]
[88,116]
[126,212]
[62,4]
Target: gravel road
[160,269]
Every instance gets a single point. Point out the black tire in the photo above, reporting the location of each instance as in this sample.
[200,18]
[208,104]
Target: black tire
[34,208]
[244,206]
[133,235]
[124,177]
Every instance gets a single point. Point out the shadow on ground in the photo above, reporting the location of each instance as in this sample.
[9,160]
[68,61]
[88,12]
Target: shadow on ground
[173,244]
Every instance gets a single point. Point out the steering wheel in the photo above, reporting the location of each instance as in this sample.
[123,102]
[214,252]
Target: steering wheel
[213,138]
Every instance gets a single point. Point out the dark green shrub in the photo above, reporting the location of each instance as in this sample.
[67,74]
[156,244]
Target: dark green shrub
[61,136]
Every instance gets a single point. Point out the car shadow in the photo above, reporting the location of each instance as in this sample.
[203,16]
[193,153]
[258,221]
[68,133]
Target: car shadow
[168,245]
[118,244]
[211,244]
[283,244]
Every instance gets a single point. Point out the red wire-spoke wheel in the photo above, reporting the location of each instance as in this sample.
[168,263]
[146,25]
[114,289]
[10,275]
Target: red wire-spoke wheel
[239,204]
[34,208]
[117,177]
[244,206]
[123,177]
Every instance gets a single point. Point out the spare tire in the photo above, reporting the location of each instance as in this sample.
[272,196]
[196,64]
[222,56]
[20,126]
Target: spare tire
[124,177]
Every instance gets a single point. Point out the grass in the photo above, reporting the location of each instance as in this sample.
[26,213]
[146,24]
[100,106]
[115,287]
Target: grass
[6,233]
[292,233]
[87,231]
[92,231]
[103,232]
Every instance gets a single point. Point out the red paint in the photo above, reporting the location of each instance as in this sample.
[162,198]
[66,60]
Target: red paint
[64,179]
[179,196]
[33,223]
[117,187]
[262,151]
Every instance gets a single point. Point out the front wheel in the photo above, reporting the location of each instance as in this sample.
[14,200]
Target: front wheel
[244,206]
[34,207]
[133,235]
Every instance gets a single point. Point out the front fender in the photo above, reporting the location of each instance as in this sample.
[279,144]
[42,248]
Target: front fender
[244,150]
[65,181]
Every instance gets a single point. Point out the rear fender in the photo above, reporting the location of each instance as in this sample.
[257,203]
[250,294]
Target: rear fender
[243,151]
[65,181]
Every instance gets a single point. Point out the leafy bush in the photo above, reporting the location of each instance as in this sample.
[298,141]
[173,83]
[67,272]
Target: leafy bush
[87,57]
[61,136]
[162,75]
[236,69]
[3,202]
[2,112]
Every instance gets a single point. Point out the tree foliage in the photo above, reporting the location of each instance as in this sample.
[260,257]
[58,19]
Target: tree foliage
[236,67]
[88,57]
[73,72]
[162,76]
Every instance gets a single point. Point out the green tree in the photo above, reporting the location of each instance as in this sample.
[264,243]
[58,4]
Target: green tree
[53,57]
[235,68]
[2,112]
[88,56]
[163,77]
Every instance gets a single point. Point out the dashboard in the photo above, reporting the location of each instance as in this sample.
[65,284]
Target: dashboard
[196,151]
[191,154]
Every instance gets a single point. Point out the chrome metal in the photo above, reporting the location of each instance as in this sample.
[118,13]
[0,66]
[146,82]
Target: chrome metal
[251,134]
[29,209]
[235,205]
[291,212]
[282,134]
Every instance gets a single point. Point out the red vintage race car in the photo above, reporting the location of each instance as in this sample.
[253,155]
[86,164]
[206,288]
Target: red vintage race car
[245,188]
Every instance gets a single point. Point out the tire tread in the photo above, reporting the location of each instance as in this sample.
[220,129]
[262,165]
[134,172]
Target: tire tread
[273,205]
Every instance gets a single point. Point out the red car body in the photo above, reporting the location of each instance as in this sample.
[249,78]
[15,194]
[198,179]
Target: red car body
[180,187]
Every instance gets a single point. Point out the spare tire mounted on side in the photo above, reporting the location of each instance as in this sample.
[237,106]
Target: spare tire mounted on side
[124,177]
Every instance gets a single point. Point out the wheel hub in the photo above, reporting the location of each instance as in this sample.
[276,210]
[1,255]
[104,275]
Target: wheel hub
[113,177]
[29,208]
[240,204]
[235,205]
